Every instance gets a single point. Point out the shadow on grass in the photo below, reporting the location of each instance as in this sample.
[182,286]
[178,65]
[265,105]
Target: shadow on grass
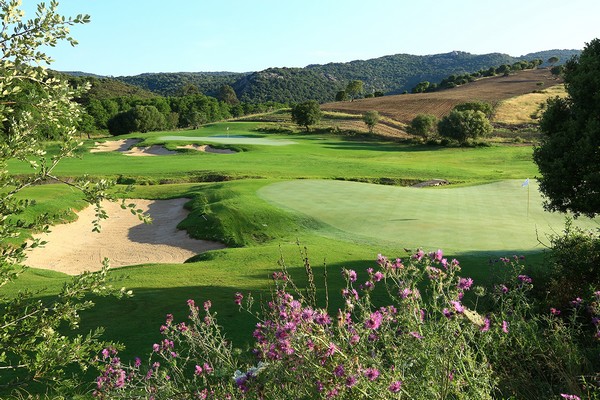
[381,146]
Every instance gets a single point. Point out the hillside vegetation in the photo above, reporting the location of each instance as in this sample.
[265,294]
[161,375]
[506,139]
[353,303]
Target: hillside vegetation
[392,74]
[404,108]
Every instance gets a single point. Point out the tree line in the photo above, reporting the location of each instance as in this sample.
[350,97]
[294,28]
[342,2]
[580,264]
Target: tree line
[119,108]
[455,80]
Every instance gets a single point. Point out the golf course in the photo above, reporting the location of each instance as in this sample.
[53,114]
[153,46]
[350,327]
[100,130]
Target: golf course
[275,194]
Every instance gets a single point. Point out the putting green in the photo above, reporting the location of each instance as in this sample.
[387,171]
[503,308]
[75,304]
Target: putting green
[493,217]
[233,139]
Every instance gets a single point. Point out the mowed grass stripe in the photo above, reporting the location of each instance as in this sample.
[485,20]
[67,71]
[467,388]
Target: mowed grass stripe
[492,217]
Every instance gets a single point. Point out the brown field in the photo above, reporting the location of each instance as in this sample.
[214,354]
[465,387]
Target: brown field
[403,108]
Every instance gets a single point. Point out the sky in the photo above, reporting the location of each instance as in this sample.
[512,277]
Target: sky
[130,37]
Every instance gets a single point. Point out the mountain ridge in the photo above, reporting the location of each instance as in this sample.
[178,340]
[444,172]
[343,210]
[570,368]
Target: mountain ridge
[390,74]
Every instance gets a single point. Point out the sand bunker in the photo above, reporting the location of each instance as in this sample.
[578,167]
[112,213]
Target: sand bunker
[206,148]
[149,151]
[115,145]
[73,248]
[125,146]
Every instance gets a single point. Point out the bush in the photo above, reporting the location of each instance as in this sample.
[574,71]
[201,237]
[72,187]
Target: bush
[572,267]
[464,125]
[425,340]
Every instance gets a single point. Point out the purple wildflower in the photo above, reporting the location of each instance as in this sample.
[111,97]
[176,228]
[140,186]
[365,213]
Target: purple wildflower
[207,368]
[339,371]
[238,298]
[415,335]
[350,381]
[374,320]
[486,325]
[457,306]
[505,326]
[207,305]
[372,373]
[524,279]
[350,275]
[554,311]
[465,283]
[198,370]
[395,386]
[447,313]
[377,276]
[570,396]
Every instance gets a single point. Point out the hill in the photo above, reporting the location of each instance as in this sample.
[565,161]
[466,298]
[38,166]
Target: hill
[392,74]
[404,108]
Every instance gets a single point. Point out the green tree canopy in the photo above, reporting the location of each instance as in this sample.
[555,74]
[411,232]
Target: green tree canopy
[464,125]
[354,89]
[341,96]
[227,95]
[424,125]
[34,345]
[371,118]
[476,105]
[568,156]
[307,114]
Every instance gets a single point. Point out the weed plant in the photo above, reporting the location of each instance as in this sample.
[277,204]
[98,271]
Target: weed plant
[435,336]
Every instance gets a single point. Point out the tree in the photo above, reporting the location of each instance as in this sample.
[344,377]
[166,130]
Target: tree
[568,156]
[34,347]
[354,89]
[475,105]
[553,60]
[306,114]
[341,96]
[557,70]
[371,118]
[421,87]
[423,125]
[147,119]
[464,125]
[227,95]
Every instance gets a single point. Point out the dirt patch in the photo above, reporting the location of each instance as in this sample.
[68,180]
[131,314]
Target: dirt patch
[206,148]
[73,248]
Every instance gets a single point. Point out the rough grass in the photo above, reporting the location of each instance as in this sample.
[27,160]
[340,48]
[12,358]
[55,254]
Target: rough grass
[522,109]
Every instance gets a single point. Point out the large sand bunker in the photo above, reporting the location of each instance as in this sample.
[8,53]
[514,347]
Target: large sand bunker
[73,248]
[126,146]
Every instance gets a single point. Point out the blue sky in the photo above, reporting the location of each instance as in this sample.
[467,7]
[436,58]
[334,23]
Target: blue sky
[129,37]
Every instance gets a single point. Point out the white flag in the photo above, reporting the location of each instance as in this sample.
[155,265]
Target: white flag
[526,183]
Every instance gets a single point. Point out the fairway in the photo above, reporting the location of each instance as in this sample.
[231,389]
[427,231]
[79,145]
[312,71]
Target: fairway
[493,217]
[229,140]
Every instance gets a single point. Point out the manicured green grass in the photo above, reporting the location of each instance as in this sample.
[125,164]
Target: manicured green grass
[343,224]
[314,156]
[501,216]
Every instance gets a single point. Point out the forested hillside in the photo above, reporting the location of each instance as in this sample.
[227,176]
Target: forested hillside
[390,74]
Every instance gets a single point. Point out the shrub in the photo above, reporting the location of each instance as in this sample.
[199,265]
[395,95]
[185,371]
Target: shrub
[424,341]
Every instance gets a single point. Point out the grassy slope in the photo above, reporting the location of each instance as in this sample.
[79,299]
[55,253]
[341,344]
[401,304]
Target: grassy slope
[518,110]
[404,108]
